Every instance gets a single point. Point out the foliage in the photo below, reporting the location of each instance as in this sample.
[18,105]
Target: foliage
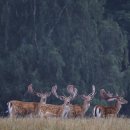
[80,42]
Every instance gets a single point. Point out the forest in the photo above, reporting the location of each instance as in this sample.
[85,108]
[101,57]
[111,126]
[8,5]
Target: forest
[79,42]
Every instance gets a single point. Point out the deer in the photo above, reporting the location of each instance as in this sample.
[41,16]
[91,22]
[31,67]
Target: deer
[20,108]
[109,111]
[80,110]
[50,110]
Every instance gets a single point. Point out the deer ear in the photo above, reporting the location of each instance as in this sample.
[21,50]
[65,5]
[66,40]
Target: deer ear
[83,96]
[38,94]
[62,98]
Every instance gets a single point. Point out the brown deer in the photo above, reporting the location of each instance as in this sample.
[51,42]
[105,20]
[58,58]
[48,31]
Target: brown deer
[49,110]
[80,110]
[20,108]
[108,111]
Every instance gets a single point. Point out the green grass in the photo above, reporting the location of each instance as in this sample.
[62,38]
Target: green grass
[64,124]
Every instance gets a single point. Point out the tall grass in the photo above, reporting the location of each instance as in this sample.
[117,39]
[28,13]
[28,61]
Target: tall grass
[64,124]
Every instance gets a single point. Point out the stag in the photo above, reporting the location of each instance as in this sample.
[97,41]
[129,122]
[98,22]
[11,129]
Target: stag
[108,111]
[20,108]
[49,110]
[80,110]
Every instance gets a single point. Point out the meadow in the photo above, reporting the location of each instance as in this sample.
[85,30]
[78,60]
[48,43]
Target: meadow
[64,124]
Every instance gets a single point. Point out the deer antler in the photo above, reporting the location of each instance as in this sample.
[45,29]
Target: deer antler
[30,89]
[72,91]
[70,88]
[93,92]
[53,90]
[107,95]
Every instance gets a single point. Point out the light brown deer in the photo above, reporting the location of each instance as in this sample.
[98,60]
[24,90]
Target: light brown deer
[20,108]
[49,110]
[80,110]
[108,111]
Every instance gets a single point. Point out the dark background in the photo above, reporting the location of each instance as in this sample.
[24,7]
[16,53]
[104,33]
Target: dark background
[80,42]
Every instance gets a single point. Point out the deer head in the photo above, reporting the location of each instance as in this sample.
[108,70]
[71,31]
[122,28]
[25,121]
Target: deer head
[109,97]
[72,91]
[89,97]
[42,95]
[121,100]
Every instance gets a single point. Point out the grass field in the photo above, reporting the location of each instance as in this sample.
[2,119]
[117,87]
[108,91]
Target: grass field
[64,124]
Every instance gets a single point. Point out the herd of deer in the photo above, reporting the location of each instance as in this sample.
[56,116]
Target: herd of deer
[66,110]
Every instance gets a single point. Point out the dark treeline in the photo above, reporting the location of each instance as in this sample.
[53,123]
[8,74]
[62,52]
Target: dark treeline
[80,42]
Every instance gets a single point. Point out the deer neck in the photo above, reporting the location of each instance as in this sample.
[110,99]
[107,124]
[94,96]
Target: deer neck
[43,101]
[66,110]
[85,106]
[118,106]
